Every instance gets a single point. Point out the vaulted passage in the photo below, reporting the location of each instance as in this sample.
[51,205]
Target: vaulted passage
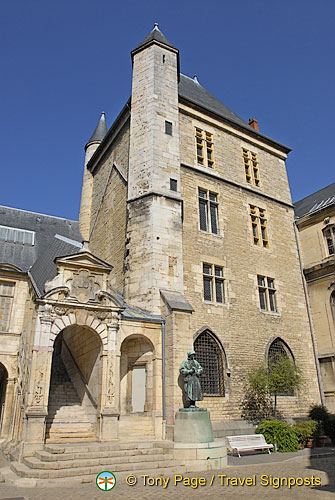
[74,387]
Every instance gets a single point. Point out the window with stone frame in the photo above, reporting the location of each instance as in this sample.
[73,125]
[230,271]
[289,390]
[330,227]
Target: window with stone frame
[277,349]
[329,234]
[251,167]
[267,294]
[332,305]
[208,211]
[6,302]
[209,354]
[259,226]
[204,148]
[213,283]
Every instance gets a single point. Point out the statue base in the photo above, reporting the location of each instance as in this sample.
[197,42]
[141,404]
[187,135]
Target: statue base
[193,425]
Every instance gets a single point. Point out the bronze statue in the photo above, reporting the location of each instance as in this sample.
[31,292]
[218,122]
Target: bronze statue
[191,370]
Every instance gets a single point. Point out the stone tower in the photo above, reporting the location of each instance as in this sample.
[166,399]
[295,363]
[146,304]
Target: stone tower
[154,231]
[87,189]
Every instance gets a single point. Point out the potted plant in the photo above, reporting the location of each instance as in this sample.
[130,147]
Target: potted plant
[320,437]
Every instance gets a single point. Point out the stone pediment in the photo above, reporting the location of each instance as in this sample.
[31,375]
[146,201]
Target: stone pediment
[84,259]
[81,277]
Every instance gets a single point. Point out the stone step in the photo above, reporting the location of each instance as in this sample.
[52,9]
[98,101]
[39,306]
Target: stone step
[35,463]
[96,447]
[23,470]
[108,453]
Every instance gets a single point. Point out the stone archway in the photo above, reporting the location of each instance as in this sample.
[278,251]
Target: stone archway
[75,386]
[136,375]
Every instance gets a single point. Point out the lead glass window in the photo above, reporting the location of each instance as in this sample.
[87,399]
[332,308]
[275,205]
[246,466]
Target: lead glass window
[208,211]
[6,300]
[213,283]
[278,349]
[329,235]
[210,356]
[259,226]
[204,148]
[251,167]
[267,293]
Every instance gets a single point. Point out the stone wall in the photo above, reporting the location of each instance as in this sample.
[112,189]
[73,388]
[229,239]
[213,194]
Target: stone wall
[108,216]
[243,329]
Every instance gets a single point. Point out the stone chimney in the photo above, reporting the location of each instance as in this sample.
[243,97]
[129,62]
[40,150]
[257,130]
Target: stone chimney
[253,123]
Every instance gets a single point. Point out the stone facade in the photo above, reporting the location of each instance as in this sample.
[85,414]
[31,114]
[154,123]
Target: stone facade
[319,272]
[105,329]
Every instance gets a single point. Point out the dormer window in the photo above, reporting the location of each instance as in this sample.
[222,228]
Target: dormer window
[15,235]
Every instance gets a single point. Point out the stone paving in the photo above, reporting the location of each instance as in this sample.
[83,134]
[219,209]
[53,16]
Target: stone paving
[299,466]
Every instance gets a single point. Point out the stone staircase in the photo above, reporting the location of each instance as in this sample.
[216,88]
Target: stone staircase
[82,462]
[67,421]
[136,428]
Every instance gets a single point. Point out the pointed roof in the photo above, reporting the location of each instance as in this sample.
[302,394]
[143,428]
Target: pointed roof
[100,131]
[154,36]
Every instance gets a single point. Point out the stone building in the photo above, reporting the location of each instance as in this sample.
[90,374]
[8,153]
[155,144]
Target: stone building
[315,221]
[187,219]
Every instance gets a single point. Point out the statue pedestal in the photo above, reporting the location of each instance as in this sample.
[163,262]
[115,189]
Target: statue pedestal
[194,446]
[193,425]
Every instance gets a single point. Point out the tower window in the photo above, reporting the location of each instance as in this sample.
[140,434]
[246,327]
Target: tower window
[259,226]
[267,294]
[208,211]
[168,128]
[251,167]
[173,184]
[213,283]
[204,148]
[210,356]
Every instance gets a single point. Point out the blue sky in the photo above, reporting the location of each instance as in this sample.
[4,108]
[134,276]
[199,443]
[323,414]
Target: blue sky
[64,62]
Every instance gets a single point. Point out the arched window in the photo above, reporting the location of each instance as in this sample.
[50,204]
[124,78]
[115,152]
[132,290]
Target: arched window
[277,349]
[332,304]
[210,356]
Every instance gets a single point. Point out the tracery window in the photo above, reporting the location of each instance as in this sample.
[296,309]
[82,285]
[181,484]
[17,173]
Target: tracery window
[277,349]
[210,356]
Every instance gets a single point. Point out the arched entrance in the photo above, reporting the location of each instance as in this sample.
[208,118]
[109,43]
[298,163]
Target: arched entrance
[3,388]
[136,377]
[75,386]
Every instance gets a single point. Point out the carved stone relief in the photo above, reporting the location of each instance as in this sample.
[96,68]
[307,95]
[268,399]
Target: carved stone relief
[84,286]
[38,391]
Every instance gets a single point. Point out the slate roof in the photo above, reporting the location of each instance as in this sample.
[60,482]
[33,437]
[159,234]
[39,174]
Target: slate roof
[157,35]
[100,131]
[315,201]
[193,92]
[54,237]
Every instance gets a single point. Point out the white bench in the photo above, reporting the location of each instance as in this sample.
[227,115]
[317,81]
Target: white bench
[248,442]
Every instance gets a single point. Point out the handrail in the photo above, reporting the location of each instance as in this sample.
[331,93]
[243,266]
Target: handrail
[90,395]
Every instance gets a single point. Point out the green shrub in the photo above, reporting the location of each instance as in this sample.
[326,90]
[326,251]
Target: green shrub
[279,434]
[319,413]
[305,430]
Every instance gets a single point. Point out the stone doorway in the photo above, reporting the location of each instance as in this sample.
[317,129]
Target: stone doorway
[75,386]
[136,377]
[3,389]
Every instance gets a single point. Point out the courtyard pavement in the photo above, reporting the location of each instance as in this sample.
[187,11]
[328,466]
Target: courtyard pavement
[264,476]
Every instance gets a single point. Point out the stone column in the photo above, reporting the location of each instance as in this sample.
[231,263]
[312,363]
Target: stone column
[37,408]
[9,408]
[110,412]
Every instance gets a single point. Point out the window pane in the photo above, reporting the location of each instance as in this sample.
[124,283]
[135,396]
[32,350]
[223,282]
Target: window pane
[219,291]
[202,194]
[270,283]
[214,218]
[203,215]
[262,298]
[207,269]
[218,271]
[272,301]
[207,288]
[261,280]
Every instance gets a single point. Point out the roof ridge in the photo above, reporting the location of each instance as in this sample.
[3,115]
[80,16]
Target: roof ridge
[38,213]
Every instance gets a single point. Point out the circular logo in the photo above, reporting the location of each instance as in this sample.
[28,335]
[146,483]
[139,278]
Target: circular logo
[106,480]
